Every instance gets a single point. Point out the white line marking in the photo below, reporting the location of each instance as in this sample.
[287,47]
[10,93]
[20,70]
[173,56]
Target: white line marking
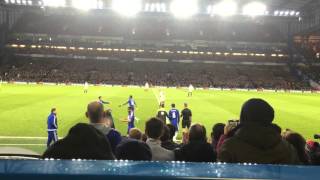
[156,96]
[22,144]
[21,137]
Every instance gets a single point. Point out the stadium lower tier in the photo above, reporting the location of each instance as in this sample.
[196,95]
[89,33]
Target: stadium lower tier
[155,73]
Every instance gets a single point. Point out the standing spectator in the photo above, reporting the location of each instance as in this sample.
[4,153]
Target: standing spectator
[82,142]
[217,132]
[257,141]
[186,115]
[299,143]
[197,149]
[52,127]
[154,130]
[95,114]
[167,137]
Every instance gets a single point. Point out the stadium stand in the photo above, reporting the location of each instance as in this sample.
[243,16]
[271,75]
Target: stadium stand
[63,45]
[157,73]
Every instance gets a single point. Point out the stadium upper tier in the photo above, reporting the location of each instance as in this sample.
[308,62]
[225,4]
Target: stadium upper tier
[146,27]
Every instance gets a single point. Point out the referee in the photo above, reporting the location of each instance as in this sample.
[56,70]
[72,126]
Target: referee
[186,115]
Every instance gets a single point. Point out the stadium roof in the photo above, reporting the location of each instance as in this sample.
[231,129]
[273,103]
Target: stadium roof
[288,4]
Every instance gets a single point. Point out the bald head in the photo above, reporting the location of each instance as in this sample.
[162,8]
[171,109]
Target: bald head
[95,112]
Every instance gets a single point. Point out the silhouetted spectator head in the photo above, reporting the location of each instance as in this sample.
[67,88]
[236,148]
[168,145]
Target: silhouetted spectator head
[185,105]
[173,105]
[256,111]
[154,128]
[197,133]
[135,133]
[166,134]
[95,112]
[82,142]
[217,131]
[277,128]
[99,97]
[133,150]
[172,129]
[298,142]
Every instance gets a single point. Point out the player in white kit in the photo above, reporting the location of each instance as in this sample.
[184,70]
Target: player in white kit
[146,86]
[86,87]
[190,90]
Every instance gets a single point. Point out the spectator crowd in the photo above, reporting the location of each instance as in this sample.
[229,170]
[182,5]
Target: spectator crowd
[254,138]
[155,73]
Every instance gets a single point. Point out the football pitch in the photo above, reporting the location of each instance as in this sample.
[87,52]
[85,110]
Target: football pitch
[24,109]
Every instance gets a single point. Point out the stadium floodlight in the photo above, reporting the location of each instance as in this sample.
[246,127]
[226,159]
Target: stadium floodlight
[276,13]
[184,8]
[127,7]
[297,13]
[254,9]
[146,7]
[286,13]
[163,7]
[292,13]
[225,8]
[85,4]
[54,3]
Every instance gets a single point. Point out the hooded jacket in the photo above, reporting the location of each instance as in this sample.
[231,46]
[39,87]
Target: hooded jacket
[257,143]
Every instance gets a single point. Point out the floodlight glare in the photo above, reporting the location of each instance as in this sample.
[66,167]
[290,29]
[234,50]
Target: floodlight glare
[127,7]
[85,4]
[254,9]
[55,3]
[292,13]
[225,8]
[184,8]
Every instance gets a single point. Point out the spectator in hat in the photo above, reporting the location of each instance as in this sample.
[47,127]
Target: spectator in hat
[256,140]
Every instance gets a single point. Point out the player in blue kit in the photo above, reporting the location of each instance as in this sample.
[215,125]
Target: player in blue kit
[130,119]
[131,103]
[52,127]
[174,117]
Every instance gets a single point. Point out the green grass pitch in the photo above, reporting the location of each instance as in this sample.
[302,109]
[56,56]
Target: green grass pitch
[24,109]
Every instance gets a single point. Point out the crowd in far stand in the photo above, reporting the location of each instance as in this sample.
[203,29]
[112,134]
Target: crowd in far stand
[155,73]
[252,139]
